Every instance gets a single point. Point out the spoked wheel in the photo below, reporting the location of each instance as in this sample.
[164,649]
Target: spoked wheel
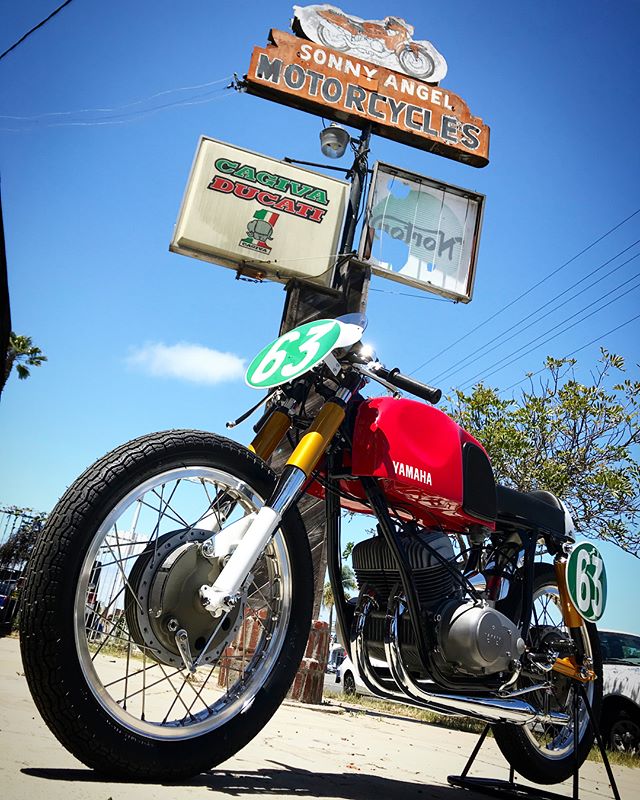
[148,684]
[333,37]
[416,62]
[542,752]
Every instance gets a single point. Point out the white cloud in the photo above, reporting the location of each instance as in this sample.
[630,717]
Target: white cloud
[187,362]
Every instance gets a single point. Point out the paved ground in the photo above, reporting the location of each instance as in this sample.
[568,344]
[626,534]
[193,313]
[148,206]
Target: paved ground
[303,752]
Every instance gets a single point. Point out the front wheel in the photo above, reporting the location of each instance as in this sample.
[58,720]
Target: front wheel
[417,62]
[112,615]
[544,753]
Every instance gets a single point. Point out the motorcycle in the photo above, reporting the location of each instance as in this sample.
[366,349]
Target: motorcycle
[169,601]
[392,38]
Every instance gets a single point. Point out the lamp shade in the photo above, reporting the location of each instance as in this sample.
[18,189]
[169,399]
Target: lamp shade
[334,141]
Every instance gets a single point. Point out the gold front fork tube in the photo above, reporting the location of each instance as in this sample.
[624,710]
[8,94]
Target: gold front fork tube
[314,443]
[270,435]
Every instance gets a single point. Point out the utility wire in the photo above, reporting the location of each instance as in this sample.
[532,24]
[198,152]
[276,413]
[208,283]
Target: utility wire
[426,296]
[500,338]
[528,291]
[39,117]
[555,335]
[573,352]
[35,28]
[123,119]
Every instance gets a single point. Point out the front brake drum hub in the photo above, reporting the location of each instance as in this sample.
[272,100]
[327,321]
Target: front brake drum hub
[164,585]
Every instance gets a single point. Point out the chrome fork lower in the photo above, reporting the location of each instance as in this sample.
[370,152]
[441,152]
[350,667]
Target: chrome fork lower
[226,590]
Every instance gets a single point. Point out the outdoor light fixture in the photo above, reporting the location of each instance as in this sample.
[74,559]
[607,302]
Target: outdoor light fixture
[334,141]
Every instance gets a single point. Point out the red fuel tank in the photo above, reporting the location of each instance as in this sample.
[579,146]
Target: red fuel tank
[427,463]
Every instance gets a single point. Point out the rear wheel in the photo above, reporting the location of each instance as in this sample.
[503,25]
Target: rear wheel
[348,683]
[112,615]
[333,37]
[541,752]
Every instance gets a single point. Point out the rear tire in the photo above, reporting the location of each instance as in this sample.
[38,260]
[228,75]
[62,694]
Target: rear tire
[544,753]
[90,660]
[348,684]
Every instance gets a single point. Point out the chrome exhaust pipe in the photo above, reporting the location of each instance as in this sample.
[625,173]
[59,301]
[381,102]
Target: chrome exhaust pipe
[489,709]
[367,673]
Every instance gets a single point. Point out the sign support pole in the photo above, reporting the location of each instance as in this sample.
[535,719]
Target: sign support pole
[307,301]
[358,174]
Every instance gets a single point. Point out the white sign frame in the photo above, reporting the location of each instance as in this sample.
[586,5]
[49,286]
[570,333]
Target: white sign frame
[382,172]
[294,248]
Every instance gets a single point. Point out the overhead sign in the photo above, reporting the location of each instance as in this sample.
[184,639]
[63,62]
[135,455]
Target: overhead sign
[353,91]
[422,232]
[387,42]
[250,212]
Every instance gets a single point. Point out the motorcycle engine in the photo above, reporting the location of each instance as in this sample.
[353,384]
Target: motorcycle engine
[469,636]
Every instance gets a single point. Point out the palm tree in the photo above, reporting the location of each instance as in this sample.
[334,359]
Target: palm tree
[22,354]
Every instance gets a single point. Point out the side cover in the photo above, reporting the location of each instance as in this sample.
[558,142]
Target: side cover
[428,463]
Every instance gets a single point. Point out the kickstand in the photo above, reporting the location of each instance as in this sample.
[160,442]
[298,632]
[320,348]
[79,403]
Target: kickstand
[500,788]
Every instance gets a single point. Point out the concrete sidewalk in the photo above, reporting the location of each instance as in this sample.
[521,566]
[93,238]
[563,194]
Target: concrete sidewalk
[303,752]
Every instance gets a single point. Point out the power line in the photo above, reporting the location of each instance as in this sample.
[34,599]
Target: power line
[536,346]
[35,28]
[577,350]
[446,372]
[123,119]
[426,296]
[39,117]
[528,291]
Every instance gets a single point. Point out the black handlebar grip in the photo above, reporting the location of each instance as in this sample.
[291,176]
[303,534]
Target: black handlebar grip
[417,388]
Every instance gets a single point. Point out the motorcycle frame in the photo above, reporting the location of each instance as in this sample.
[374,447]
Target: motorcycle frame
[319,439]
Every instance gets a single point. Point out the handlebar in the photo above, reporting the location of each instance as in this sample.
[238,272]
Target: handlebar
[407,384]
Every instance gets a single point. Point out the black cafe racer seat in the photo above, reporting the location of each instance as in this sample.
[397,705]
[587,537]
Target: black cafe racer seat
[535,510]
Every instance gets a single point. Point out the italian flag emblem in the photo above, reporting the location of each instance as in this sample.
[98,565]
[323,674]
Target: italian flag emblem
[260,231]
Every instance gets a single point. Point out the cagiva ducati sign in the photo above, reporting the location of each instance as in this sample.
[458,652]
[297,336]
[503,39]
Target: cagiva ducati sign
[330,80]
[249,212]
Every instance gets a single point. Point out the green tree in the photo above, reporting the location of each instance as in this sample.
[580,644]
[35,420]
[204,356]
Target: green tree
[348,580]
[22,354]
[575,440]
[17,549]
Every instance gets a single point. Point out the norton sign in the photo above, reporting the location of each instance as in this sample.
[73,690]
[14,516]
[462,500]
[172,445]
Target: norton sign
[332,84]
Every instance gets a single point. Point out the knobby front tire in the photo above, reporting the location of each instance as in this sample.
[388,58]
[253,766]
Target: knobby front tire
[117,571]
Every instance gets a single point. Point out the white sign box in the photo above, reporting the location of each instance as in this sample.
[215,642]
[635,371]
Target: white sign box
[260,216]
[422,232]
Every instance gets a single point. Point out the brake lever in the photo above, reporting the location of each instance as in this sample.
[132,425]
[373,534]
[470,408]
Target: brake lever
[370,373]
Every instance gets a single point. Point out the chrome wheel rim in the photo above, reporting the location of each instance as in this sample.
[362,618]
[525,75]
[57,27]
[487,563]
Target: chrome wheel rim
[125,675]
[552,741]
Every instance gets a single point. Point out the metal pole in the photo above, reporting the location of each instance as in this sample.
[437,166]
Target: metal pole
[358,175]
[5,313]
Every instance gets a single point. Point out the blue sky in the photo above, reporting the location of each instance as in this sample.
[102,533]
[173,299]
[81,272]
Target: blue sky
[90,198]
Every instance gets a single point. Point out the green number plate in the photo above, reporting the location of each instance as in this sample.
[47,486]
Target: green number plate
[587,581]
[293,353]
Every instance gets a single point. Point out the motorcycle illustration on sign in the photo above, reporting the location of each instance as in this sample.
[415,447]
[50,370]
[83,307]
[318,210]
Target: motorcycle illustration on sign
[386,42]
[186,646]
